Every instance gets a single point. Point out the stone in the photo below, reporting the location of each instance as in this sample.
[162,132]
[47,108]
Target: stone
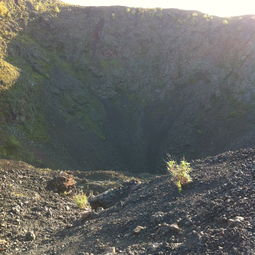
[110,251]
[30,236]
[113,196]
[64,183]
[2,241]
[237,219]
[157,217]
[138,229]
[16,209]
[175,228]
[99,209]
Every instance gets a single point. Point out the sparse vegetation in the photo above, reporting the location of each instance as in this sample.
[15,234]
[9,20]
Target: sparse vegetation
[56,9]
[3,9]
[9,74]
[11,146]
[179,172]
[81,200]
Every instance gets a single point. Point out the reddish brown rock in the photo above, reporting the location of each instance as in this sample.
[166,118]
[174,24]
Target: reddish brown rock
[62,183]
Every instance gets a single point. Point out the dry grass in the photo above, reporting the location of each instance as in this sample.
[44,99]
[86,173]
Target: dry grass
[9,74]
[3,9]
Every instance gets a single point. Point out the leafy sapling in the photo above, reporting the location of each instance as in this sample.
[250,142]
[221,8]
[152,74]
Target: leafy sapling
[180,172]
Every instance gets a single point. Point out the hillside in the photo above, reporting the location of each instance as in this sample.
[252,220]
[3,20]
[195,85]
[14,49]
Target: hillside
[115,88]
[118,88]
[212,215]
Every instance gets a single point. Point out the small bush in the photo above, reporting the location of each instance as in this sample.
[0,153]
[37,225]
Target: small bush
[180,173]
[81,200]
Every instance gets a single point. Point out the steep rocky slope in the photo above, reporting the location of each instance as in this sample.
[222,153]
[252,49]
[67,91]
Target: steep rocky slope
[212,215]
[118,88]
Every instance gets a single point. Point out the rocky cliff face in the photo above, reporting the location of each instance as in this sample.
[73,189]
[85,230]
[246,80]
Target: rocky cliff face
[120,87]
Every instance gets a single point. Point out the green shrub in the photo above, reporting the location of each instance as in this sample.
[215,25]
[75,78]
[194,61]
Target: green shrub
[81,200]
[180,173]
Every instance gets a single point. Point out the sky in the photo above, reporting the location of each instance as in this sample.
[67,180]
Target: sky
[223,8]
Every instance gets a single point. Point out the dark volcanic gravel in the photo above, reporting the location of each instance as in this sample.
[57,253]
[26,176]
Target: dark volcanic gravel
[29,214]
[212,215]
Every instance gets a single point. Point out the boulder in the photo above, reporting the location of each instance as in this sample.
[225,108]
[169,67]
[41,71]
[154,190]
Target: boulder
[112,196]
[63,183]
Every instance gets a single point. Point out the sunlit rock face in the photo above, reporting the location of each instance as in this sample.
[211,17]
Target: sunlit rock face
[119,88]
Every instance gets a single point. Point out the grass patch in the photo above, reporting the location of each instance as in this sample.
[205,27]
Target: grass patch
[3,10]
[9,74]
[81,200]
[17,194]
